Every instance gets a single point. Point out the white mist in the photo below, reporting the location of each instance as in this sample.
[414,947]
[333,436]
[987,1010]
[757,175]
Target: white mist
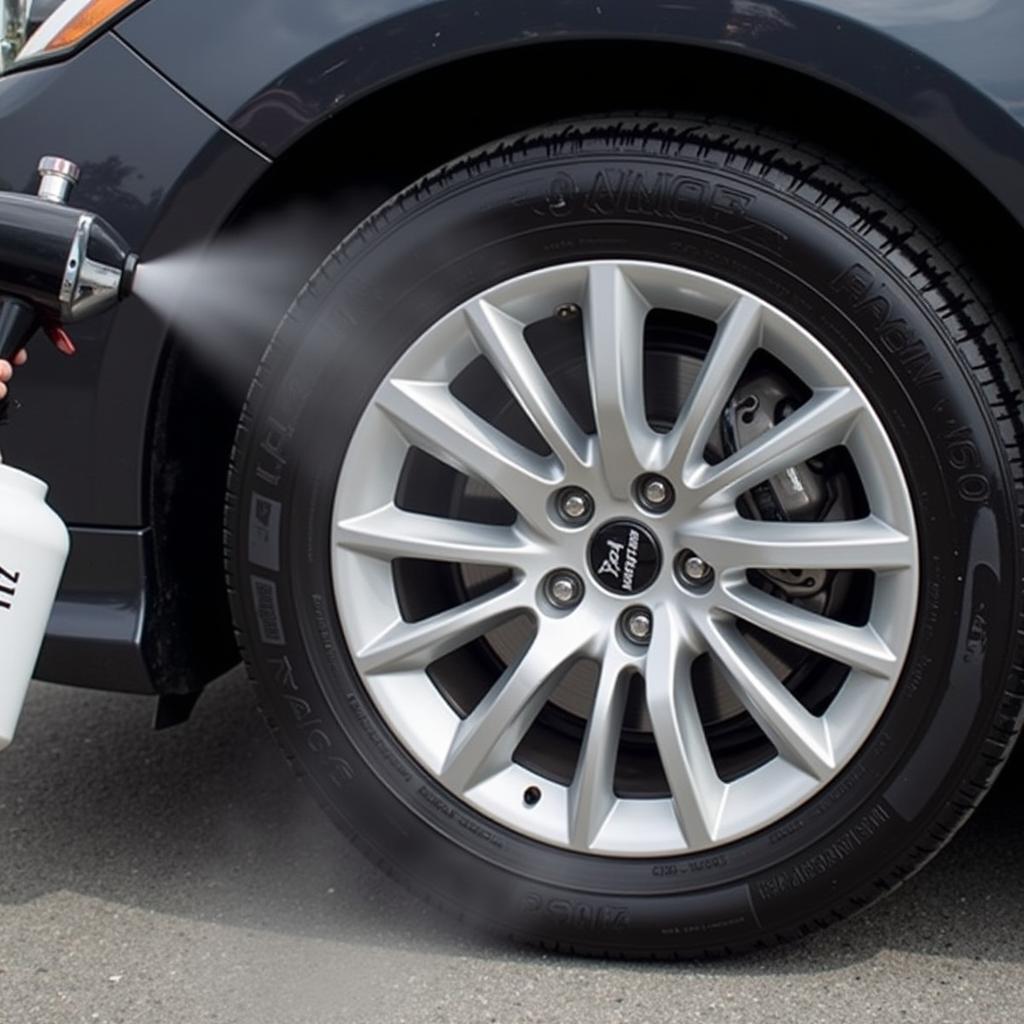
[225,300]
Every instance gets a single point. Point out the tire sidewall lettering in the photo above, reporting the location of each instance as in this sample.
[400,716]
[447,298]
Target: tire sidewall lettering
[703,218]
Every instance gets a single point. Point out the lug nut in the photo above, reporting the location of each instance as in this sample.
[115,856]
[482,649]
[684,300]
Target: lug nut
[575,506]
[567,311]
[564,589]
[692,569]
[637,625]
[655,493]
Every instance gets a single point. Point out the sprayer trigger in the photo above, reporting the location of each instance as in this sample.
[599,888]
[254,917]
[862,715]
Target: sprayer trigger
[60,337]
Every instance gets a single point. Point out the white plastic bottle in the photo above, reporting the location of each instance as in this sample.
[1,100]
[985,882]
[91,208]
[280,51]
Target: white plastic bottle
[33,550]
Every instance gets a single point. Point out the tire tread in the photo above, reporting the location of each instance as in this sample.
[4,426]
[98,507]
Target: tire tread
[856,204]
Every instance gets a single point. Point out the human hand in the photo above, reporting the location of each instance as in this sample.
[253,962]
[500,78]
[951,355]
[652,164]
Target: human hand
[7,371]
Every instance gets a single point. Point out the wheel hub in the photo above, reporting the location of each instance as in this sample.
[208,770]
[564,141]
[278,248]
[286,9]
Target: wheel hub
[624,557]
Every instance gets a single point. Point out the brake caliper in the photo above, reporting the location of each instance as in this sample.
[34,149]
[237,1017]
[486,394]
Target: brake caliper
[797,494]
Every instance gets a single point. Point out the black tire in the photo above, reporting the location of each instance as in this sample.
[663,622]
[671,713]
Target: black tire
[862,273]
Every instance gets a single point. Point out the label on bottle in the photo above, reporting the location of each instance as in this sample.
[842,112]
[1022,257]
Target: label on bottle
[8,585]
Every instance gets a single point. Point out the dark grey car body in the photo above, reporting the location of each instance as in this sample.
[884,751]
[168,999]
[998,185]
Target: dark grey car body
[189,118]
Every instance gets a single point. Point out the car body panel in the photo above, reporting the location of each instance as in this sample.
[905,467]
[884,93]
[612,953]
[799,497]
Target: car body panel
[97,632]
[179,111]
[296,64]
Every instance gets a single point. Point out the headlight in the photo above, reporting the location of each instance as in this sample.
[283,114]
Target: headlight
[71,24]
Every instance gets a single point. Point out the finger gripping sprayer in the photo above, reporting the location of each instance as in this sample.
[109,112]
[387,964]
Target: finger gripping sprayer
[57,265]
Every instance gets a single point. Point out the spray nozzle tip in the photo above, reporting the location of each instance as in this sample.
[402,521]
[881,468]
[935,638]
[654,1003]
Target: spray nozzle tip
[128,275]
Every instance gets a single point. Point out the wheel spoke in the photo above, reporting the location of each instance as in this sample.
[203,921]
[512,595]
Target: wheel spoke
[728,541]
[698,794]
[405,645]
[486,740]
[860,647]
[821,423]
[737,338]
[429,416]
[500,337]
[799,737]
[592,794]
[613,327]
[389,532]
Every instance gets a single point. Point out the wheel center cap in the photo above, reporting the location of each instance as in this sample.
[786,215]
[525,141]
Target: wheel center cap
[624,557]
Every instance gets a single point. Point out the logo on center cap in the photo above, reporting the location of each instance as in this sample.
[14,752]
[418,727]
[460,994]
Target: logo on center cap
[624,557]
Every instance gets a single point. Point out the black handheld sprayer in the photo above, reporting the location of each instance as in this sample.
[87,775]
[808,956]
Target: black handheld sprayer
[57,265]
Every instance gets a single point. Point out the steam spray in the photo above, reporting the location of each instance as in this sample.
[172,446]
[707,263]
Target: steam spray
[57,265]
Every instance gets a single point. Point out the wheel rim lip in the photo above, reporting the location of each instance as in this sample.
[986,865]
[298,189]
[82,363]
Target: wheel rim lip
[365,600]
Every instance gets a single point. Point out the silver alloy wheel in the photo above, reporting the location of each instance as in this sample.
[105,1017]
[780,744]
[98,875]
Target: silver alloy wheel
[472,755]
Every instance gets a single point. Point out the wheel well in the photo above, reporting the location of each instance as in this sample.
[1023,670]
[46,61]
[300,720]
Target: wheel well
[355,159]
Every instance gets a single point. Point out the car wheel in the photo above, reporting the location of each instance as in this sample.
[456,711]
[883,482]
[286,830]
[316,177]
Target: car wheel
[623,533]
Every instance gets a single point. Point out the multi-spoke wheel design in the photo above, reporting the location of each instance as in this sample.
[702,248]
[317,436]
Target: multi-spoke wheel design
[575,611]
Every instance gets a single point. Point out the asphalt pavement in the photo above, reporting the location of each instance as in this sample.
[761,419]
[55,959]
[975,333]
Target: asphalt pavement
[184,876]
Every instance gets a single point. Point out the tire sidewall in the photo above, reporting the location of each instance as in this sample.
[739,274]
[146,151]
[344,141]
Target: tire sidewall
[436,248]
